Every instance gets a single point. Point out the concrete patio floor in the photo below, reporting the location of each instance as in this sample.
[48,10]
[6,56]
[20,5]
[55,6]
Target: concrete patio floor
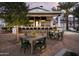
[8,46]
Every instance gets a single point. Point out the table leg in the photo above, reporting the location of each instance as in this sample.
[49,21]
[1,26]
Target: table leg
[31,47]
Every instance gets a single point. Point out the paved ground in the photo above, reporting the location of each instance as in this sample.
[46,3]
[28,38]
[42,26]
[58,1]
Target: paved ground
[9,47]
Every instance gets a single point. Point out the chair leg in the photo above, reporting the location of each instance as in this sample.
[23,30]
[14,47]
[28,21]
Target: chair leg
[24,50]
[61,38]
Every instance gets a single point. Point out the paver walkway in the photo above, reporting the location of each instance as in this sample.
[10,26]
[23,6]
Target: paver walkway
[9,47]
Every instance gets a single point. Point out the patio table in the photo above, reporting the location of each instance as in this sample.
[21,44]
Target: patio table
[32,39]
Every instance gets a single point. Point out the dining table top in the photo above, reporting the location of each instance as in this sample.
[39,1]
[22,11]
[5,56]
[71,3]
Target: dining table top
[32,38]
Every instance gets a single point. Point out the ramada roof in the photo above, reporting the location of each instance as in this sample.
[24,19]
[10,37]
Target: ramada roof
[41,10]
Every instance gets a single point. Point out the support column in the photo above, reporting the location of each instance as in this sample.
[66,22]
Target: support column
[48,19]
[59,25]
[34,22]
[40,22]
[51,22]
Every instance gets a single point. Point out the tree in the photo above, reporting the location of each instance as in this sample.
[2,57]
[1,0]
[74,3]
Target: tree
[14,14]
[66,6]
[76,14]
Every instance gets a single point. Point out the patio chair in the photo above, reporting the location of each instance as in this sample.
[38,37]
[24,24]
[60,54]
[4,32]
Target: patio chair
[43,42]
[53,35]
[24,44]
[62,34]
[40,44]
[50,34]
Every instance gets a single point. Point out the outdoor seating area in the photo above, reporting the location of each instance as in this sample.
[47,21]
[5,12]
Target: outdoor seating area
[27,30]
[39,45]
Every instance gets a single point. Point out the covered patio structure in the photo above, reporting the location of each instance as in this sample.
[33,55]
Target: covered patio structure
[40,17]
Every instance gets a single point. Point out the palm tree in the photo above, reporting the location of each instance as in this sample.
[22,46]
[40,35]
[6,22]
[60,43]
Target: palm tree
[14,13]
[66,6]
